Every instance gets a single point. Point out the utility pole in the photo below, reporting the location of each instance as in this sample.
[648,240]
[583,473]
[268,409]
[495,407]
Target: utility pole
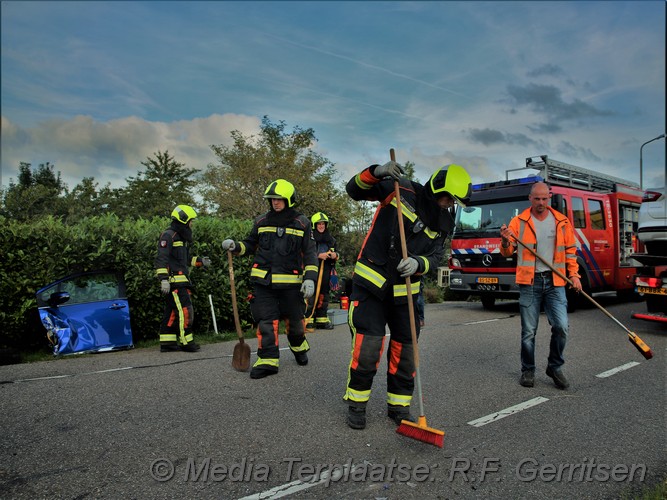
[641,162]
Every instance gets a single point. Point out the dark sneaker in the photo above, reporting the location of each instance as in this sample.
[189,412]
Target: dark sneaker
[328,326]
[356,417]
[301,358]
[190,347]
[263,371]
[169,348]
[558,378]
[527,379]
[400,413]
[310,327]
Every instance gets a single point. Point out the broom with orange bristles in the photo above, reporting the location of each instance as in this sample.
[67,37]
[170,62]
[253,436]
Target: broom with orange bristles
[418,430]
[632,337]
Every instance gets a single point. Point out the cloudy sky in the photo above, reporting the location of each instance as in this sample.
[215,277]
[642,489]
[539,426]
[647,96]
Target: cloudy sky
[96,87]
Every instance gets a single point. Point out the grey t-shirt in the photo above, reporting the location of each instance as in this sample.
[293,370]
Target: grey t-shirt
[546,241]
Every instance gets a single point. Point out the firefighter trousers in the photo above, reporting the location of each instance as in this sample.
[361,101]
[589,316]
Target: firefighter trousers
[268,306]
[177,318]
[368,316]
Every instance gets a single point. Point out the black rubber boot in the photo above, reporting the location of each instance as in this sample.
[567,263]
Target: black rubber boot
[400,413]
[190,347]
[356,417]
[263,371]
[301,358]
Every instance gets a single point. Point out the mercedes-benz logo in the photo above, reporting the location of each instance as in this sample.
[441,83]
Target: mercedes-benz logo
[486,259]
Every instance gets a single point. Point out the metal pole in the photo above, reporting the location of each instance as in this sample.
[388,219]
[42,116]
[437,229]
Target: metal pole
[215,325]
[641,160]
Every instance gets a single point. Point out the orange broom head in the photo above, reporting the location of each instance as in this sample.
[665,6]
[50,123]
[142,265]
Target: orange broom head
[421,432]
[641,346]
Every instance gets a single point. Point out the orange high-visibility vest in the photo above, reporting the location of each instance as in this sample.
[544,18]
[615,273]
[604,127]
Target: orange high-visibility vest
[565,253]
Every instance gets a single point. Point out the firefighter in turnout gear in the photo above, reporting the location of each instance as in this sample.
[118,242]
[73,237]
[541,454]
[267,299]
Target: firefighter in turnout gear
[379,291]
[327,256]
[172,270]
[283,273]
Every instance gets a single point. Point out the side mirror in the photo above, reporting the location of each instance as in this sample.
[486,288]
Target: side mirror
[58,298]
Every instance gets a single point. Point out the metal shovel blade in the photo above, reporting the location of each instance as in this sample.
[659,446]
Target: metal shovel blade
[241,357]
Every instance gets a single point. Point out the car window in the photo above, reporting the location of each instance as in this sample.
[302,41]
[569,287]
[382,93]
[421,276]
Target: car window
[578,216]
[595,212]
[85,288]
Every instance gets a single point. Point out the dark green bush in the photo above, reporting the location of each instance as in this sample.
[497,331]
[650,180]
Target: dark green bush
[36,253]
[433,294]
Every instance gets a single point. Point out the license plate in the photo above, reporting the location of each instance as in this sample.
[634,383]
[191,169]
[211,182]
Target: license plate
[654,291]
[486,280]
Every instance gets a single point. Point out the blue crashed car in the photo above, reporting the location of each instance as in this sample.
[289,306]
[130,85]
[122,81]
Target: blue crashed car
[86,312]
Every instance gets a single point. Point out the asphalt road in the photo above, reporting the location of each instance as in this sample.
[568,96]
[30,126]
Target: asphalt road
[144,424]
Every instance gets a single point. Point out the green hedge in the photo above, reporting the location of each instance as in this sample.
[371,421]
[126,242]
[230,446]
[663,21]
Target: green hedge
[37,253]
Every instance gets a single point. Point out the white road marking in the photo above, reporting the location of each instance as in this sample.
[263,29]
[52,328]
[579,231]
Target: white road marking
[483,321]
[41,378]
[110,370]
[73,374]
[296,486]
[114,369]
[493,417]
[613,371]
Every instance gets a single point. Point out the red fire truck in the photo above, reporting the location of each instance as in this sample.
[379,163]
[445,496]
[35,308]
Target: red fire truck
[603,210]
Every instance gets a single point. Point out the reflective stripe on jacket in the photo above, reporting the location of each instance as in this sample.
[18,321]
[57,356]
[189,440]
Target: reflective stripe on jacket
[375,269]
[284,255]
[173,259]
[565,253]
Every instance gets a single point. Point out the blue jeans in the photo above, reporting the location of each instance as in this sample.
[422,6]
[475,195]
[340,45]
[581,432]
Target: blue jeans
[420,301]
[555,306]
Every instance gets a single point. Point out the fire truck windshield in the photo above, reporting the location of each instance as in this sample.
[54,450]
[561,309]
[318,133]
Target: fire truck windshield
[473,221]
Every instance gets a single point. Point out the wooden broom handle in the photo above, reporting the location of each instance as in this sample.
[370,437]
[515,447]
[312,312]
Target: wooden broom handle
[404,253]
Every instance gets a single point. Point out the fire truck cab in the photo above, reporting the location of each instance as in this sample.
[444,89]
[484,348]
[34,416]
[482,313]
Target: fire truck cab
[604,213]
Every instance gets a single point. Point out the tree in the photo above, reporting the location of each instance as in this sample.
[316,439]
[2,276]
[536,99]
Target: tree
[37,193]
[156,191]
[87,200]
[409,170]
[235,186]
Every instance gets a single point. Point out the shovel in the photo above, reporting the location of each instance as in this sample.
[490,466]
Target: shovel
[241,356]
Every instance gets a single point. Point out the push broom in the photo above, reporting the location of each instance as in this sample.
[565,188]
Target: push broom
[418,430]
[632,337]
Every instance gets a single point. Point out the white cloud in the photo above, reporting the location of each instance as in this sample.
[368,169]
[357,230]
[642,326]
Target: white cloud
[431,79]
[111,151]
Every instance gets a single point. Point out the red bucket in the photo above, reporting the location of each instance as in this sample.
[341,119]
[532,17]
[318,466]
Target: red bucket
[344,303]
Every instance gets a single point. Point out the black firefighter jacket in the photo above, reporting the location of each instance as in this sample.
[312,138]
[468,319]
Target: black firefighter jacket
[173,259]
[375,269]
[284,249]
